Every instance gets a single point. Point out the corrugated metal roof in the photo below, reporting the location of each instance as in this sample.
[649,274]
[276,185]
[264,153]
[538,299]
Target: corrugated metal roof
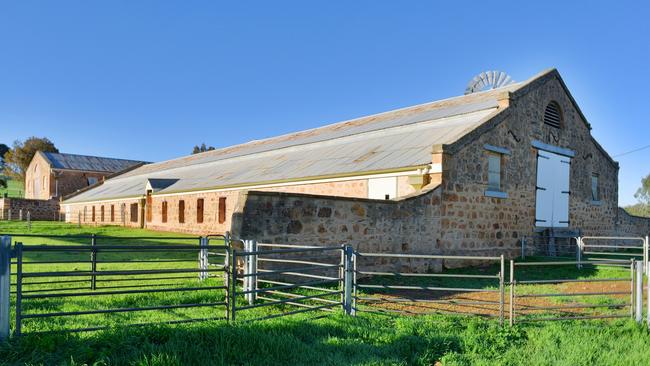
[392,147]
[88,163]
[388,141]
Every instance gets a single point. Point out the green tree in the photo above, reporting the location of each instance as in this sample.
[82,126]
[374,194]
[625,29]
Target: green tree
[17,159]
[643,195]
[199,149]
[3,150]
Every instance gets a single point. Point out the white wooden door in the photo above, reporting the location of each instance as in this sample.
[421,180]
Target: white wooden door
[552,195]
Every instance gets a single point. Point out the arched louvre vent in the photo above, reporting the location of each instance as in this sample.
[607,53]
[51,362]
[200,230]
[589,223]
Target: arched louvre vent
[553,115]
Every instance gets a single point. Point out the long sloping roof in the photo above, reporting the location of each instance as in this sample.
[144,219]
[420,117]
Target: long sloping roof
[88,163]
[388,141]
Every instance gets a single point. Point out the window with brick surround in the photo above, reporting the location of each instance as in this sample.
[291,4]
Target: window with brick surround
[164,211]
[101,213]
[134,212]
[181,211]
[149,207]
[494,172]
[93,214]
[112,213]
[222,210]
[199,210]
[595,189]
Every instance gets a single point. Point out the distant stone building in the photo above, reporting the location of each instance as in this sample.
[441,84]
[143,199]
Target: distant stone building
[55,175]
[470,174]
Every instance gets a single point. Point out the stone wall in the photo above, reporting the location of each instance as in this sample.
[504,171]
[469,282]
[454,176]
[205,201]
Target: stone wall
[475,223]
[630,225]
[407,225]
[47,210]
[38,179]
[65,182]
[43,182]
[353,188]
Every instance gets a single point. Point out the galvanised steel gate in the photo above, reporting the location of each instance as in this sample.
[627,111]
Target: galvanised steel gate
[110,281]
[244,280]
[477,290]
[281,279]
[581,298]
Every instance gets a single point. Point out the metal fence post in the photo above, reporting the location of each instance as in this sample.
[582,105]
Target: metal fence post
[354,283]
[632,297]
[646,260]
[226,274]
[93,262]
[639,292]
[5,286]
[501,289]
[512,292]
[19,288]
[246,285]
[233,294]
[347,288]
[203,258]
[579,252]
[253,271]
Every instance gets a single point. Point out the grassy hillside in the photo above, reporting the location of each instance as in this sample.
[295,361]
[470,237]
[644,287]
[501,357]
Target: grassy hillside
[14,188]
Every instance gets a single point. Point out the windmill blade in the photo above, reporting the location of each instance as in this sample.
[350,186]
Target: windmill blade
[488,80]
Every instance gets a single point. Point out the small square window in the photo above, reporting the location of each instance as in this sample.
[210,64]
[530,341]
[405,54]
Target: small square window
[92,180]
[595,188]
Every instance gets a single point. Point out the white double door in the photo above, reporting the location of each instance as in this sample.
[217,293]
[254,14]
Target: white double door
[552,197]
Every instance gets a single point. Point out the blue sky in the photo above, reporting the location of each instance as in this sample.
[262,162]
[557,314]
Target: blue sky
[150,79]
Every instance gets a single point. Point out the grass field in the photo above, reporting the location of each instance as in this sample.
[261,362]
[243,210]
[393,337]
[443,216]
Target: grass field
[368,339]
[14,188]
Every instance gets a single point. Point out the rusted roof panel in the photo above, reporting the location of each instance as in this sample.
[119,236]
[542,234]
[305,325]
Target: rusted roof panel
[398,143]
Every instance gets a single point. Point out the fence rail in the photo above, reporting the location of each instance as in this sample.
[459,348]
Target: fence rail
[242,280]
[378,289]
[526,312]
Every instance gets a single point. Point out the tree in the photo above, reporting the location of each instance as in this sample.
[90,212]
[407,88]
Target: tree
[643,195]
[3,182]
[199,149]
[17,159]
[3,150]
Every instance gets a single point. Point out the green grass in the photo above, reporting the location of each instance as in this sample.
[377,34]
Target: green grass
[367,339]
[341,340]
[15,188]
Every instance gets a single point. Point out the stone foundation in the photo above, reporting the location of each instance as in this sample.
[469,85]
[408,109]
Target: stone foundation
[43,210]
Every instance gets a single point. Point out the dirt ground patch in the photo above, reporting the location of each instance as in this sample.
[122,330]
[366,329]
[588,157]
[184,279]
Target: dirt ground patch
[486,303]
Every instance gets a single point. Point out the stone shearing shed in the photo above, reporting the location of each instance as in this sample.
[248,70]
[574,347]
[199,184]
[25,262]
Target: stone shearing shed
[471,175]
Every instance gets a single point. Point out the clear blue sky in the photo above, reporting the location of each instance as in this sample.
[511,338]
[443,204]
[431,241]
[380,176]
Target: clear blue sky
[150,79]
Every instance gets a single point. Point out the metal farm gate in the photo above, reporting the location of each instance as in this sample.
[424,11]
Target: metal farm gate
[88,282]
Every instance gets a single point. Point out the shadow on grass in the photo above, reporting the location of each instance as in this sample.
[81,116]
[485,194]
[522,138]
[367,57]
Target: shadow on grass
[331,341]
